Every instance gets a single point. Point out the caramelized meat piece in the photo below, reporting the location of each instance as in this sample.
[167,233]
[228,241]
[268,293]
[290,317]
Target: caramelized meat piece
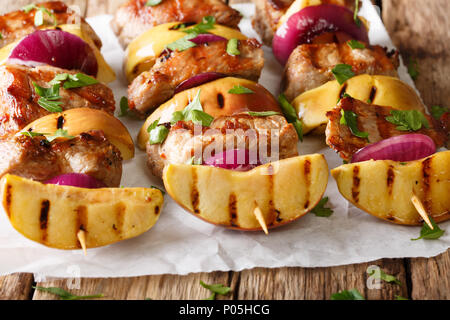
[273,133]
[310,65]
[16,25]
[36,158]
[158,85]
[134,17]
[19,101]
[371,119]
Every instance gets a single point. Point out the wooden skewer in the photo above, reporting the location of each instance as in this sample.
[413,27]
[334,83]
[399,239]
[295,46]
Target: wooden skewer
[419,207]
[259,216]
[81,235]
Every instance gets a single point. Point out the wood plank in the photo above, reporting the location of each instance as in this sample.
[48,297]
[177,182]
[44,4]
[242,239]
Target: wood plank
[320,283]
[425,38]
[16,286]
[160,287]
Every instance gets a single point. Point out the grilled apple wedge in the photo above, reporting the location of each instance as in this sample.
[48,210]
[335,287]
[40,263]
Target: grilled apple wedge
[384,188]
[283,191]
[53,215]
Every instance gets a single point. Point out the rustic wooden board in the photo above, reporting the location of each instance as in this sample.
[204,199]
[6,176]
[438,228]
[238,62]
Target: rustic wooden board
[408,21]
[16,286]
[421,31]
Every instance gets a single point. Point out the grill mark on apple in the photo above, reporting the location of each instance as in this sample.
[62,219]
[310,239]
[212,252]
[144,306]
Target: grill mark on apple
[195,197]
[390,179]
[8,201]
[272,214]
[232,209]
[307,174]
[43,219]
[120,215]
[356,184]
[279,220]
[342,92]
[426,173]
[373,92]
[60,122]
[221,100]
[82,220]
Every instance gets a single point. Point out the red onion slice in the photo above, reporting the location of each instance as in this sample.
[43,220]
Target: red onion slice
[198,80]
[237,159]
[311,21]
[79,180]
[408,147]
[207,37]
[56,48]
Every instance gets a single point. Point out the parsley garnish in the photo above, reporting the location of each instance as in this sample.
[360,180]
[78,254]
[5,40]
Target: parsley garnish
[400,298]
[193,112]
[413,69]
[430,234]
[1,36]
[39,15]
[32,134]
[240,90]
[320,210]
[48,97]
[355,44]
[183,43]
[355,14]
[152,3]
[203,27]
[291,115]
[232,47]
[408,120]
[342,72]
[380,274]
[352,294]
[65,295]
[438,111]
[72,81]
[60,133]
[157,133]
[124,107]
[262,113]
[215,289]
[349,119]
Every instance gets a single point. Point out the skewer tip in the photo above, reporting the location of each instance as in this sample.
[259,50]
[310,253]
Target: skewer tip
[81,235]
[421,210]
[259,216]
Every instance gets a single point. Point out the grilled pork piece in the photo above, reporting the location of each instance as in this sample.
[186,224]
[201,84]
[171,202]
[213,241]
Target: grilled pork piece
[19,101]
[16,25]
[272,133]
[371,119]
[134,17]
[36,158]
[269,12]
[310,65]
[158,85]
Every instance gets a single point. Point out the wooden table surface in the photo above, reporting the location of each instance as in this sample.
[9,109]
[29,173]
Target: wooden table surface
[419,29]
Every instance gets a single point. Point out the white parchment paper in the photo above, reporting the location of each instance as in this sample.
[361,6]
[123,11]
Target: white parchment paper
[180,243]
